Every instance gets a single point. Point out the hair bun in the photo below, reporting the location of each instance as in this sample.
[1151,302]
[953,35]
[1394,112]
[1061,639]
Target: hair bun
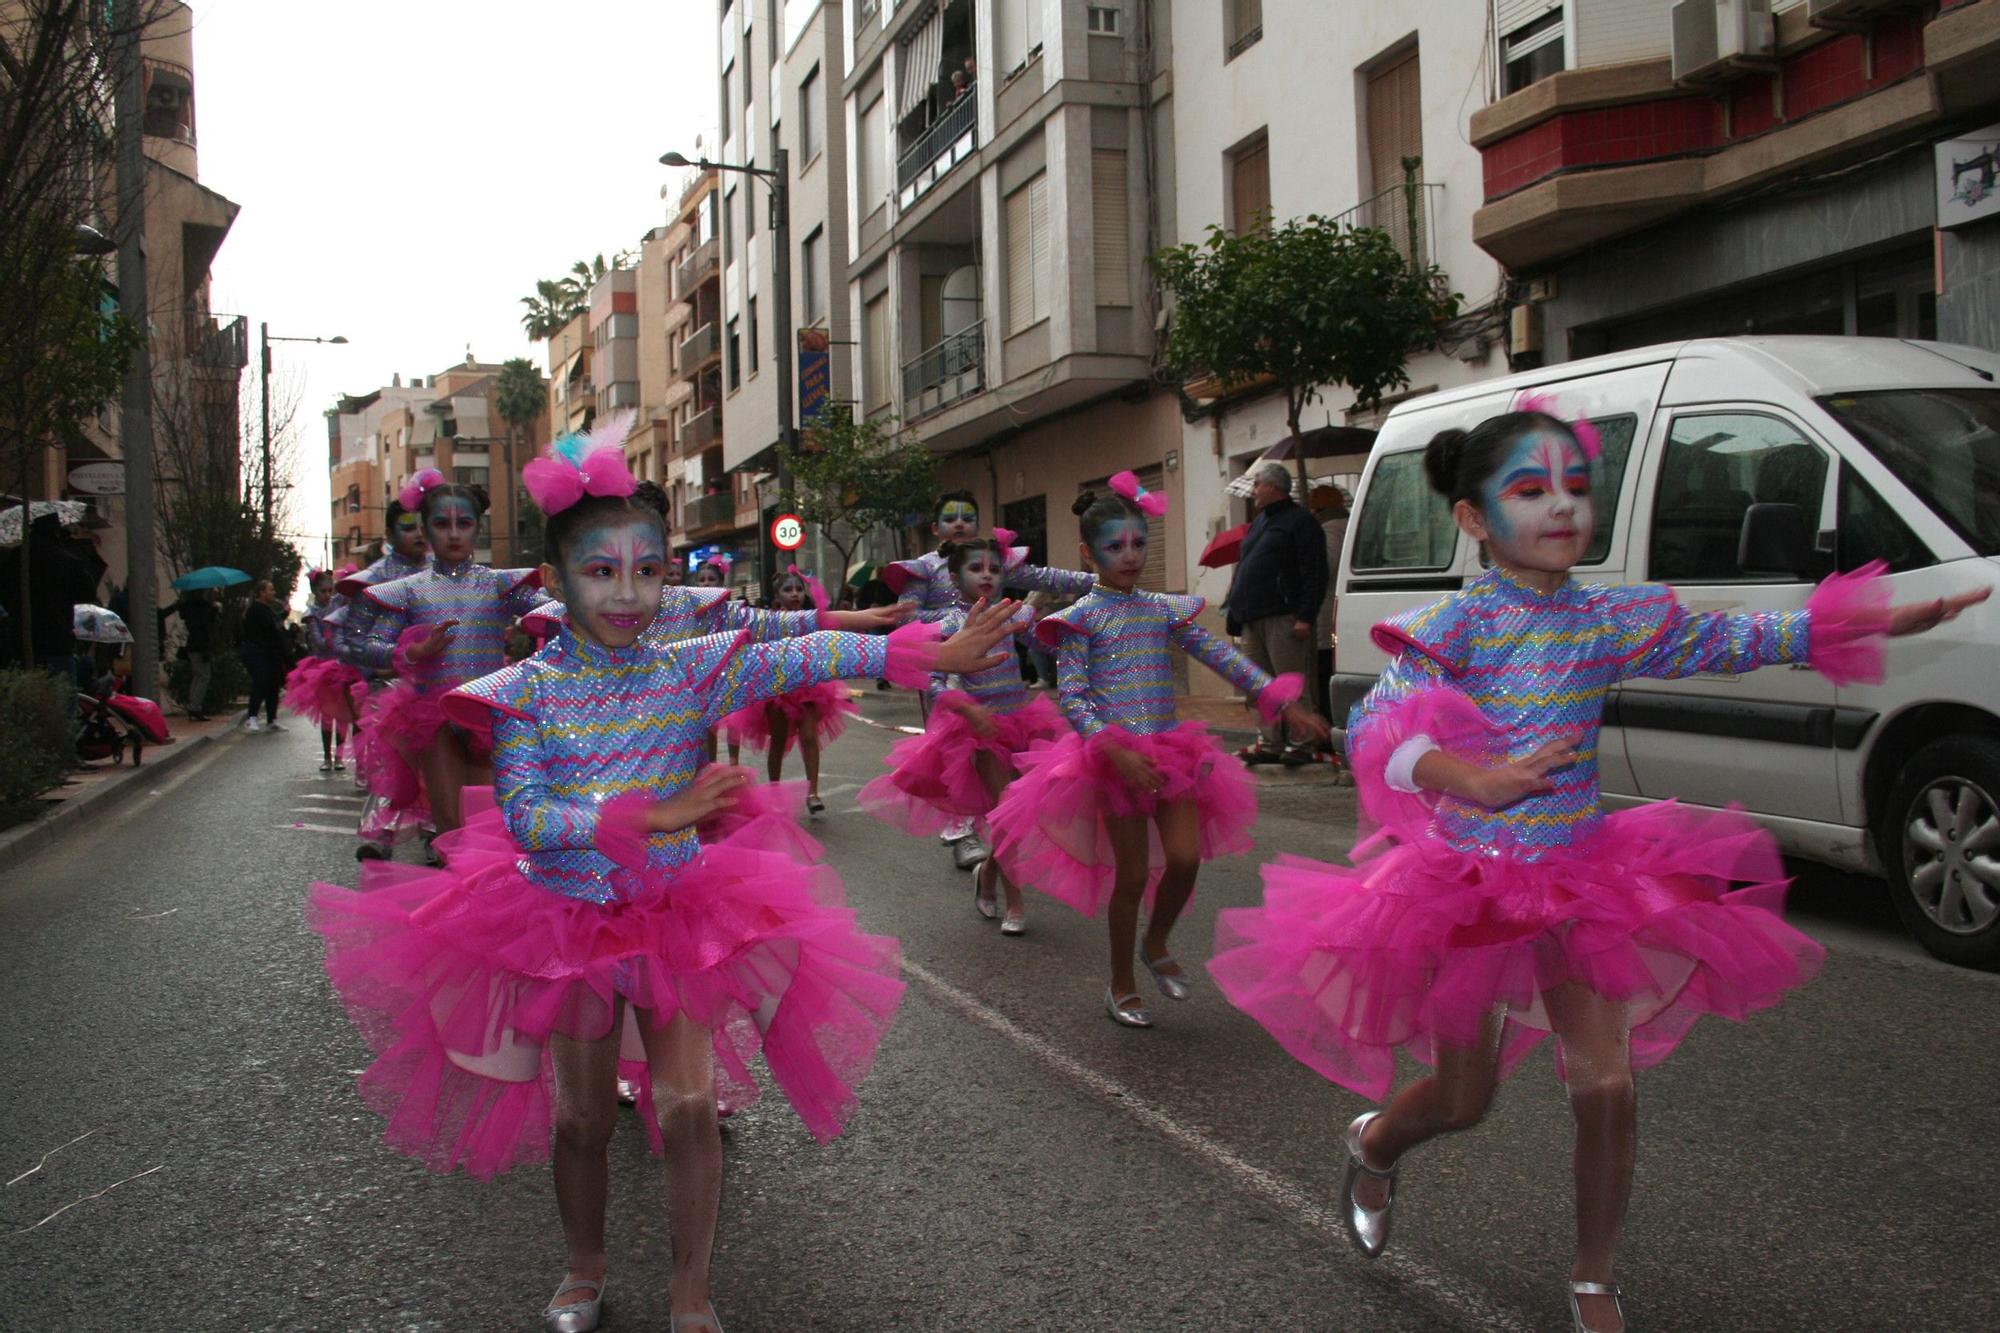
[1083,502]
[651,495]
[1442,457]
[945,549]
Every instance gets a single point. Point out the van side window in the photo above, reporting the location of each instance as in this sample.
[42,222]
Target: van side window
[1404,523]
[1870,530]
[1607,478]
[1716,465]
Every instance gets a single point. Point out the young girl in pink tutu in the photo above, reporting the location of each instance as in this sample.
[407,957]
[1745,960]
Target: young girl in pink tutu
[988,718]
[395,809]
[1127,806]
[322,688]
[1500,903]
[812,716]
[437,628]
[495,991]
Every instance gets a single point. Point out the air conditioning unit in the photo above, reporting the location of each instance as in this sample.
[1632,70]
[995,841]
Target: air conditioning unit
[1720,41]
[1850,15]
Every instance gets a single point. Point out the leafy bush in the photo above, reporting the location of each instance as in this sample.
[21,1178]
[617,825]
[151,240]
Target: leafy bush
[37,739]
[228,682]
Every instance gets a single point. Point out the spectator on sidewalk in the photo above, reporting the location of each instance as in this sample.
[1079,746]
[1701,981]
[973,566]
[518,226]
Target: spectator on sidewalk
[196,608]
[1274,600]
[1329,505]
[264,654]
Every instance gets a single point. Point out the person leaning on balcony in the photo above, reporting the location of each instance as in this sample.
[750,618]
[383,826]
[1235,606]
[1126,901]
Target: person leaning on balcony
[1274,600]
[960,84]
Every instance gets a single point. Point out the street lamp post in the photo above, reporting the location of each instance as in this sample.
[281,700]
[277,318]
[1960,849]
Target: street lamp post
[776,177]
[265,339]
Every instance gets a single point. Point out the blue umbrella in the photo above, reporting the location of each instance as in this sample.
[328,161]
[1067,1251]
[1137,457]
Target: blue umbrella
[211,576]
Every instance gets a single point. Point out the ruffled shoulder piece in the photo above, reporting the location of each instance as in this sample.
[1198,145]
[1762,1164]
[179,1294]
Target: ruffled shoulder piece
[509,690]
[699,661]
[510,579]
[544,620]
[902,575]
[1183,607]
[1076,618]
[394,595]
[1441,631]
[1639,613]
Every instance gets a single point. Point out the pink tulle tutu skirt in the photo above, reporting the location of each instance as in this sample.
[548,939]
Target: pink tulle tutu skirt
[932,780]
[1671,911]
[322,690]
[397,726]
[459,977]
[825,707]
[1048,830]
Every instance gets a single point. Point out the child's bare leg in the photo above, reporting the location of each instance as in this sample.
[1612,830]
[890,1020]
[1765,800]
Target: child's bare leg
[326,741]
[1453,1099]
[1128,834]
[1597,1066]
[809,748]
[444,766]
[1180,846]
[781,734]
[680,1057]
[586,1112]
[994,775]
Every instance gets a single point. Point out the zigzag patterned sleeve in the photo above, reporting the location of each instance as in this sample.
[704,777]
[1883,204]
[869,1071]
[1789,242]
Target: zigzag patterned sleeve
[760,671]
[539,816]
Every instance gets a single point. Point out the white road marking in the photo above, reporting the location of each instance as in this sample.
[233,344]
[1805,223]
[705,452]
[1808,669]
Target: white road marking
[1274,1190]
[342,829]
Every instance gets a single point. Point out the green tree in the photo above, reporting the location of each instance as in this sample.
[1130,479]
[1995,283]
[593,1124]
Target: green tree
[519,397]
[853,476]
[554,304]
[1309,304]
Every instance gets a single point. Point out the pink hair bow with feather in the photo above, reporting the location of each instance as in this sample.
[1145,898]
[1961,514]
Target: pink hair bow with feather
[1149,502]
[590,463]
[411,497]
[1587,438]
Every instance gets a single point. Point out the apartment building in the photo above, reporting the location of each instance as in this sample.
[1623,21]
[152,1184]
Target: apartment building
[448,421]
[1280,111]
[1656,171]
[781,65]
[1011,168]
[572,390]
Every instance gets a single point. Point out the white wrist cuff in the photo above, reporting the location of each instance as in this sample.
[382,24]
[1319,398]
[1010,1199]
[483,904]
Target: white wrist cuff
[1401,770]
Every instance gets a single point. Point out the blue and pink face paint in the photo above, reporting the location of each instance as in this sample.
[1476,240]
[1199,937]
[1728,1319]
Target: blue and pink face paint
[453,529]
[611,580]
[1537,504]
[1119,551]
[980,576]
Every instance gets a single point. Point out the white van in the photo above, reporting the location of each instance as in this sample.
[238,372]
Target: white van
[1741,471]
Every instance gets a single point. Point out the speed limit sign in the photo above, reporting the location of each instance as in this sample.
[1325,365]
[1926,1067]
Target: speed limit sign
[788,532]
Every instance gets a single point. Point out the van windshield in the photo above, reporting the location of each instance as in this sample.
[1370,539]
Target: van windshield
[1944,444]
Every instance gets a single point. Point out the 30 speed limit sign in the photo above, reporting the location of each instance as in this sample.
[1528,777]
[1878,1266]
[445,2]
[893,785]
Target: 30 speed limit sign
[788,532]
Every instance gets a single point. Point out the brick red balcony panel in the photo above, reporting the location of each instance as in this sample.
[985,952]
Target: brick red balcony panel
[1813,80]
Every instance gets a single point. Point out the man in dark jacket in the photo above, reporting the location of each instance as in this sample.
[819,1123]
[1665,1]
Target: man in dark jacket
[197,610]
[1275,597]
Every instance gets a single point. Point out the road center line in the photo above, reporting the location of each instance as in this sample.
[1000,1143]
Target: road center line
[1474,1311]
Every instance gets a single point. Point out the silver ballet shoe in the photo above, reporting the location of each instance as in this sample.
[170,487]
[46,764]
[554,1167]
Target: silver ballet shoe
[968,852]
[984,895]
[1368,1228]
[1173,985]
[1577,1289]
[679,1322]
[577,1316]
[1131,1018]
[1014,923]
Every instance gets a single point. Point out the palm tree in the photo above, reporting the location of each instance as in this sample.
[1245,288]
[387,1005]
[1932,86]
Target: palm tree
[554,304]
[519,397]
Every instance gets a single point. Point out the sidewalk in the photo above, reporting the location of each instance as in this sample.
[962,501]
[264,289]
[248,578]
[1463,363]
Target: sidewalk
[101,786]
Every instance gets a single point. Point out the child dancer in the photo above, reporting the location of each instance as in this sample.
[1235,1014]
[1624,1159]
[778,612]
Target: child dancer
[1500,902]
[495,991]
[321,688]
[811,716]
[439,628]
[988,717]
[394,810]
[925,587]
[1080,823]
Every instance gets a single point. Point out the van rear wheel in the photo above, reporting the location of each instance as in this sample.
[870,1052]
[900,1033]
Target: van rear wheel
[1943,850]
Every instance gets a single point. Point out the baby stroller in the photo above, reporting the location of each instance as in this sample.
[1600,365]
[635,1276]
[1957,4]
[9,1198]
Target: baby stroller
[112,722]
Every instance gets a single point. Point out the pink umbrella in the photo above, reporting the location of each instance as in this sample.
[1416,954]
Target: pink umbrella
[1224,548]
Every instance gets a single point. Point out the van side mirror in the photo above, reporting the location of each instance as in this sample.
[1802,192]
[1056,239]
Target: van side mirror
[1776,540]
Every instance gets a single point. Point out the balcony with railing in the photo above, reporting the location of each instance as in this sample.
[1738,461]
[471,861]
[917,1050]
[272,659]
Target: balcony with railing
[953,369]
[1407,213]
[214,346]
[697,268]
[709,512]
[951,140]
[699,348]
[703,430]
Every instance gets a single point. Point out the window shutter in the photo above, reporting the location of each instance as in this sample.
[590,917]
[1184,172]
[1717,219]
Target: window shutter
[1395,122]
[1111,237]
[1038,227]
[1020,263]
[875,352]
[1250,185]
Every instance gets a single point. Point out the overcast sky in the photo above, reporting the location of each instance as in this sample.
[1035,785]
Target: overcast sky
[408,170]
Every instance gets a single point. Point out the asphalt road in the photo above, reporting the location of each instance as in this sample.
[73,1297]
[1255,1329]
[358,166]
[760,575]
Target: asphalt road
[1020,1162]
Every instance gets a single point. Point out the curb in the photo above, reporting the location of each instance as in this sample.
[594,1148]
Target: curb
[25,841]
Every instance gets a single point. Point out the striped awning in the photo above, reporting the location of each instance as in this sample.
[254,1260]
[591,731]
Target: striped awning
[923,49]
